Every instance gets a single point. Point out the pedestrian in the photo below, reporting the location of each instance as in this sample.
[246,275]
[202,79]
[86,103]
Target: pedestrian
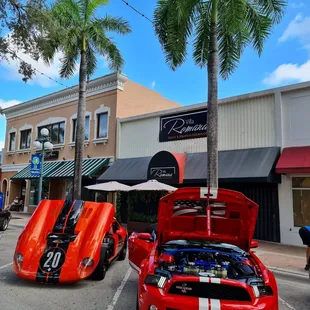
[304,233]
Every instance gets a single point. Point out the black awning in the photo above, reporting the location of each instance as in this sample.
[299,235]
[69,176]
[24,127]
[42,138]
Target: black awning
[127,170]
[247,165]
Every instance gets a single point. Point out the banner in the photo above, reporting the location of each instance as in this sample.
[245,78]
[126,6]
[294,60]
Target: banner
[35,165]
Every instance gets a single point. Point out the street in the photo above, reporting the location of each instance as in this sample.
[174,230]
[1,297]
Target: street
[116,291]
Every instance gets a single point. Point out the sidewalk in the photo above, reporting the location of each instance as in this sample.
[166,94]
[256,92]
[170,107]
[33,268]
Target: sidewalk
[277,257]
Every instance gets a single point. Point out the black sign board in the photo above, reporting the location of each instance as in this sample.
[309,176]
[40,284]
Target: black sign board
[51,155]
[187,125]
[164,167]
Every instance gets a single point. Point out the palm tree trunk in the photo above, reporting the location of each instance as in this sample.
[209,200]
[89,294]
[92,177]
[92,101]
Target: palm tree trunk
[80,128]
[213,62]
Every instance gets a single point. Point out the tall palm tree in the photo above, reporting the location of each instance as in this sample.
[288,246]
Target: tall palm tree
[81,35]
[220,30]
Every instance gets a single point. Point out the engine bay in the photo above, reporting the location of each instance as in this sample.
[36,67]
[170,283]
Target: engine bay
[211,260]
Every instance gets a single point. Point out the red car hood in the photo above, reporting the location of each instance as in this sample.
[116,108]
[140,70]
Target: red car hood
[230,218]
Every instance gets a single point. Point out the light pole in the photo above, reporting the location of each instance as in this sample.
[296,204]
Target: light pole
[42,142]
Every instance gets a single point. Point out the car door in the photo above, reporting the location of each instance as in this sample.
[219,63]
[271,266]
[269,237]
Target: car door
[117,237]
[139,246]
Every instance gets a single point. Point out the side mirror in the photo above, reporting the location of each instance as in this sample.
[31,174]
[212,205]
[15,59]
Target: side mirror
[145,236]
[254,244]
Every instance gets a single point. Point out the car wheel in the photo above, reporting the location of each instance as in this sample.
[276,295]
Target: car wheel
[101,269]
[4,225]
[123,252]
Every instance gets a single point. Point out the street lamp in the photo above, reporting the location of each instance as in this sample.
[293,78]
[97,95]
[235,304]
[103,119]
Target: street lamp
[42,142]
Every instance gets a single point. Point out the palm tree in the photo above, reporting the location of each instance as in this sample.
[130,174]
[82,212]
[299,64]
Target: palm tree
[220,29]
[80,35]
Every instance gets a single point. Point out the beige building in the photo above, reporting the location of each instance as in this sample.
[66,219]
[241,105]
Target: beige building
[108,98]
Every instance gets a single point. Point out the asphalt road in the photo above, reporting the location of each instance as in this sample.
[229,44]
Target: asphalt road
[117,291]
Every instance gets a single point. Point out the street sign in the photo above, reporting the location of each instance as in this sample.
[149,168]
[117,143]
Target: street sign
[35,165]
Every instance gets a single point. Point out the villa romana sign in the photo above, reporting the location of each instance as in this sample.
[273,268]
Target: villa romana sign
[188,125]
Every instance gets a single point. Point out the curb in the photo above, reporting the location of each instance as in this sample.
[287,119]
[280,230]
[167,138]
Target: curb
[288,272]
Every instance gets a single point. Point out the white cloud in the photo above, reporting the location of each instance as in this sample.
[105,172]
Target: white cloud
[297,5]
[39,79]
[289,73]
[153,84]
[298,28]
[1,145]
[6,104]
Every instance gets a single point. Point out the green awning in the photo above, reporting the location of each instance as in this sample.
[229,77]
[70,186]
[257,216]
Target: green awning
[90,167]
[48,167]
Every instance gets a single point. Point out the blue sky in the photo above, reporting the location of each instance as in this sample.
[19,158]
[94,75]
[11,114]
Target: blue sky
[285,60]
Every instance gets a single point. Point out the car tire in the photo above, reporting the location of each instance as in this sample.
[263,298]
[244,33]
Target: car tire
[123,252]
[101,269]
[4,225]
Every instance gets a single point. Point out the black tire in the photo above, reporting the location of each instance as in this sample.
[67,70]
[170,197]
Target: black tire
[101,269]
[123,252]
[4,225]
[137,303]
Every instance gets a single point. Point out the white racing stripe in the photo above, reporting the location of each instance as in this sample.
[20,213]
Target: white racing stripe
[119,291]
[7,265]
[203,304]
[215,304]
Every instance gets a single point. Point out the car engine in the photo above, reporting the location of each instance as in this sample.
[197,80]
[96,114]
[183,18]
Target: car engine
[209,262]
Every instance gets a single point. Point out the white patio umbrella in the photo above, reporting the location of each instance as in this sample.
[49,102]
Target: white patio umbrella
[153,185]
[112,186]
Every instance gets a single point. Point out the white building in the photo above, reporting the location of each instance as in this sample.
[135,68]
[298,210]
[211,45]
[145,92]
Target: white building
[264,144]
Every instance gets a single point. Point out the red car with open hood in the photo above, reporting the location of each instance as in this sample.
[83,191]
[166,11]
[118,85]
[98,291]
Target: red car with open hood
[200,257]
[67,241]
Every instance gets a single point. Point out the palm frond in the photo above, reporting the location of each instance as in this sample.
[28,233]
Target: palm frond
[68,65]
[259,26]
[93,6]
[91,61]
[173,22]
[202,37]
[274,9]
[115,24]
[104,46]
[67,13]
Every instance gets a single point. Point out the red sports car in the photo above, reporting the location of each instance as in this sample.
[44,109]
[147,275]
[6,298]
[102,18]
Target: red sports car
[200,257]
[67,241]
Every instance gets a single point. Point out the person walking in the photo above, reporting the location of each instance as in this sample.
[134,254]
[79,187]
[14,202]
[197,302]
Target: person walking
[304,233]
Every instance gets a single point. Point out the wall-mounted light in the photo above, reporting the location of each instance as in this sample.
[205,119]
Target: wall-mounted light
[63,158]
[88,156]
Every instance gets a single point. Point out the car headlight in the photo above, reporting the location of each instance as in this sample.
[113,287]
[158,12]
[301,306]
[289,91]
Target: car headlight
[87,262]
[155,280]
[19,258]
[262,291]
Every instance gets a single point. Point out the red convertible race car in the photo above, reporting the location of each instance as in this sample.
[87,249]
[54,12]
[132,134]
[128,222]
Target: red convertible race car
[200,257]
[67,241]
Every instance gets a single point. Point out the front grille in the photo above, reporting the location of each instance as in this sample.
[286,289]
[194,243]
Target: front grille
[210,290]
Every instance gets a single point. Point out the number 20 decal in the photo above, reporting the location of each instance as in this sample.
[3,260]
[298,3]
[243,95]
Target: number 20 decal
[52,260]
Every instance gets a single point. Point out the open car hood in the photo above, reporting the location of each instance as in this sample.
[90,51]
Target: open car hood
[230,218]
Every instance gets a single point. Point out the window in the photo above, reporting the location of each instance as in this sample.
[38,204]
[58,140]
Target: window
[102,127]
[301,201]
[86,129]
[57,132]
[12,142]
[25,139]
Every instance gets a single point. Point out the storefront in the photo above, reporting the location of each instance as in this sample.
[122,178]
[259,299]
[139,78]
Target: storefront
[264,152]
[108,98]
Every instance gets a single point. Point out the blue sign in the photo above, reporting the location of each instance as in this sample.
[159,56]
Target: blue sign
[35,165]
[1,201]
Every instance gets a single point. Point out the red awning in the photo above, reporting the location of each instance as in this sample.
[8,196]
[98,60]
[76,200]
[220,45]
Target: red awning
[294,160]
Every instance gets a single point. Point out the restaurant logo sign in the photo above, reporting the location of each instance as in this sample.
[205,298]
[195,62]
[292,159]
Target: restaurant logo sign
[162,172]
[187,125]
[163,167]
